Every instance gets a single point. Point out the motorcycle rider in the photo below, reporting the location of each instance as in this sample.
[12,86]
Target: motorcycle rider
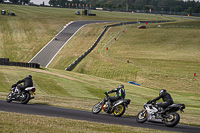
[167,100]
[28,82]
[120,94]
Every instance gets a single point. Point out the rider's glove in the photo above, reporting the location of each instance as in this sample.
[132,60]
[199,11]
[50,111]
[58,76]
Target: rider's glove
[106,92]
[14,85]
[150,101]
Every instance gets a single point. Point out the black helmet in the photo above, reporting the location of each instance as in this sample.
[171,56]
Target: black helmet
[29,76]
[161,91]
[121,86]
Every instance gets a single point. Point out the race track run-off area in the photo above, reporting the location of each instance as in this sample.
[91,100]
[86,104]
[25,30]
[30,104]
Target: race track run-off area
[44,110]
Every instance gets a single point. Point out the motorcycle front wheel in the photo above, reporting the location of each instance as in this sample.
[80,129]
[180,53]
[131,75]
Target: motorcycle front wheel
[9,97]
[173,119]
[141,116]
[25,97]
[119,110]
[97,108]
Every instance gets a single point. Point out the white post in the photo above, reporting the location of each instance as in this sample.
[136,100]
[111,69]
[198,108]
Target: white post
[137,17]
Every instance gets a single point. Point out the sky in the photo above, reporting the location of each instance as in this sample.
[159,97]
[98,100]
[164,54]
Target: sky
[46,2]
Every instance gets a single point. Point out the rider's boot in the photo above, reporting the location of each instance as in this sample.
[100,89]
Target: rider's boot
[19,93]
[109,105]
[160,110]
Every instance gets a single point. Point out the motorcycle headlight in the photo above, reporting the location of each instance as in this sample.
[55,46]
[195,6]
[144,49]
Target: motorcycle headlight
[182,106]
[33,89]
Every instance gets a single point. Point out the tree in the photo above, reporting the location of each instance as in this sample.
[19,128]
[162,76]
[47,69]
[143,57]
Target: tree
[156,5]
[147,7]
[178,8]
[53,2]
[24,1]
[197,8]
[14,1]
[139,4]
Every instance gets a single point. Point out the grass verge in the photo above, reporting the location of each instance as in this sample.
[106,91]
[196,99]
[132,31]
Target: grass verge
[21,123]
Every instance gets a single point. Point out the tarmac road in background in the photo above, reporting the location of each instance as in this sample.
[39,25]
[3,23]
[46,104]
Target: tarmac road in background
[50,50]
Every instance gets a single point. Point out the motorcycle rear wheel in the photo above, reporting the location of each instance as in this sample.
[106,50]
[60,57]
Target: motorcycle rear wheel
[97,108]
[173,120]
[9,97]
[25,98]
[141,116]
[119,110]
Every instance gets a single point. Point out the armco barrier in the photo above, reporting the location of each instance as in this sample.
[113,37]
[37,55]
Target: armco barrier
[73,65]
[5,61]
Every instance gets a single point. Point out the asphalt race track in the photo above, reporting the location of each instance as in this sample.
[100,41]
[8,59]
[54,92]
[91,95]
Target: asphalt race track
[50,50]
[37,109]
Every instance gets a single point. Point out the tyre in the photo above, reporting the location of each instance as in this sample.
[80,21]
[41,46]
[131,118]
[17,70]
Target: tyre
[9,97]
[25,97]
[119,110]
[141,116]
[97,108]
[173,120]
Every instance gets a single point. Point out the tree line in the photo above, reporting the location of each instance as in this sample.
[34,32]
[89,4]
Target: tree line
[131,5]
[190,6]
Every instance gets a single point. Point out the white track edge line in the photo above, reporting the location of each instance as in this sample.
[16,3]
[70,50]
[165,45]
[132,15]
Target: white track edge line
[63,46]
[50,41]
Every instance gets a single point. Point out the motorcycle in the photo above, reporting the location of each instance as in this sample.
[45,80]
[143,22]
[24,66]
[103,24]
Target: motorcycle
[168,116]
[117,108]
[23,97]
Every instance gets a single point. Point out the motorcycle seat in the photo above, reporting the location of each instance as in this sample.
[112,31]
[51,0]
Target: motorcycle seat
[127,101]
[176,105]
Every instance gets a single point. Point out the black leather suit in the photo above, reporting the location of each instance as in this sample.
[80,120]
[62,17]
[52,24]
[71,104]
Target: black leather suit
[120,94]
[27,83]
[167,100]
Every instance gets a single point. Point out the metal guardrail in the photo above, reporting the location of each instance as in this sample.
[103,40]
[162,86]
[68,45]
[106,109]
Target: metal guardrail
[5,61]
[73,65]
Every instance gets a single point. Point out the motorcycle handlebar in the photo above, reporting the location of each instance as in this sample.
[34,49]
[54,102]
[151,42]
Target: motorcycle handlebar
[106,94]
[153,103]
